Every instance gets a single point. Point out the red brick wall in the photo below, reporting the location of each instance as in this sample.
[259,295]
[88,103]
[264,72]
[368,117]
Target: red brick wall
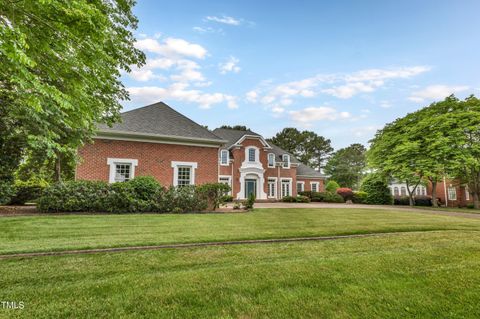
[321,186]
[442,190]
[154,159]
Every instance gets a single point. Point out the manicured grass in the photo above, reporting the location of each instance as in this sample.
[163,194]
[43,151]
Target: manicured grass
[451,209]
[46,233]
[409,275]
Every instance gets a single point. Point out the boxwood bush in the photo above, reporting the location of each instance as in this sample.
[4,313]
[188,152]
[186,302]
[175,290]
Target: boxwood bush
[326,197]
[359,197]
[140,195]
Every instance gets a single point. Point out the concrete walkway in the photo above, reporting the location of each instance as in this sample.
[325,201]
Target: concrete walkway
[360,206]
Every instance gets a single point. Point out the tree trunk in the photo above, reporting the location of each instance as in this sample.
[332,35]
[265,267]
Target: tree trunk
[476,203]
[411,201]
[434,193]
[58,168]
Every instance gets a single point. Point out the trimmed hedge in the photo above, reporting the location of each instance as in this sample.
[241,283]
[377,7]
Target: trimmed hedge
[420,200]
[140,195]
[297,199]
[326,197]
[359,197]
[27,191]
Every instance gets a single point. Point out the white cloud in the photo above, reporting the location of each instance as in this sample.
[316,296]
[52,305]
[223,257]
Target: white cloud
[225,20]
[364,130]
[341,86]
[180,92]
[230,65]
[436,92]
[172,47]
[207,30]
[308,115]
[252,96]
[385,104]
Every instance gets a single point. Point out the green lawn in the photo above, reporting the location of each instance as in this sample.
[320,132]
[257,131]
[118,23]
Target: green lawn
[410,275]
[45,233]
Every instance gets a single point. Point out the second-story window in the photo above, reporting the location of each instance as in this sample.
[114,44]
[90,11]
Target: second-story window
[251,154]
[286,161]
[271,160]
[224,157]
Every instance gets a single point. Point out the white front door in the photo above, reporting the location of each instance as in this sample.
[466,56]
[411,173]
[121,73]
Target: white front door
[286,188]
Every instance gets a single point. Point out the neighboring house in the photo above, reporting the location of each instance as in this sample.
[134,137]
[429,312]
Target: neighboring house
[158,141]
[449,192]
[400,189]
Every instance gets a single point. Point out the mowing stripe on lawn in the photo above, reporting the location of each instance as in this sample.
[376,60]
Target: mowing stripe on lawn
[204,244]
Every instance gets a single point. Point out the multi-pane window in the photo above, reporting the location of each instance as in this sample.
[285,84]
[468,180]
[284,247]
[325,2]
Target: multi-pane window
[396,192]
[300,187]
[285,188]
[314,187]
[184,175]
[286,160]
[123,172]
[452,193]
[271,160]
[251,154]
[271,187]
[224,157]
[403,191]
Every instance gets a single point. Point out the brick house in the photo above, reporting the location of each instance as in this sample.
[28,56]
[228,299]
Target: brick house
[158,141]
[449,192]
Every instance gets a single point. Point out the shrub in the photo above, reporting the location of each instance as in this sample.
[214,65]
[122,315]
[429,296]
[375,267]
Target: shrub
[359,197]
[27,191]
[423,200]
[145,188]
[306,193]
[326,197]
[302,199]
[74,196]
[227,198]
[289,199]
[213,194]
[186,198]
[377,190]
[401,200]
[248,204]
[332,186]
[470,206]
[346,193]
[7,190]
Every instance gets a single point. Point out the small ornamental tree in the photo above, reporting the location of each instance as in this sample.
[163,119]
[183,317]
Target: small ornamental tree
[332,186]
[378,193]
[346,193]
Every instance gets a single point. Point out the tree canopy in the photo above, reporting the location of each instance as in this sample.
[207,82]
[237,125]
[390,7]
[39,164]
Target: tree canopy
[438,140]
[235,127]
[61,66]
[310,148]
[347,165]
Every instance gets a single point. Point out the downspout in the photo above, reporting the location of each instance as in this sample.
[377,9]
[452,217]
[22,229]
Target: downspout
[445,191]
[278,183]
[233,179]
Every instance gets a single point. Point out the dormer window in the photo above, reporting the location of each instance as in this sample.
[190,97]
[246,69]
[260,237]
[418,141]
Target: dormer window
[286,160]
[252,154]
[271,160]
[224,157]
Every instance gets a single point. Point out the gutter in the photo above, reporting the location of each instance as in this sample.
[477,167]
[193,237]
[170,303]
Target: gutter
[146,137]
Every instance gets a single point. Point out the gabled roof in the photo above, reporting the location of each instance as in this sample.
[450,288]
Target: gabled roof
[160,120]
[306,171]
[233,136]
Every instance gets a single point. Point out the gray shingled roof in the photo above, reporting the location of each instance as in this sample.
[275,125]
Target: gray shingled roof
[234,135]
[159,119]
[304,170]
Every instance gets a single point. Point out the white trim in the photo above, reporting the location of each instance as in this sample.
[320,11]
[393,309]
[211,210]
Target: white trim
[144,140]
[228,158]
[303,186]
[176,164]
[452,198]
[275,188]
[286,162]
[244,137]
[289,180]
[113,161]
[315,183]
[247,154]
[268,160]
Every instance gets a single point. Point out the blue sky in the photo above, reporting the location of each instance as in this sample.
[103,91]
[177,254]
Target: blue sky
[340,68]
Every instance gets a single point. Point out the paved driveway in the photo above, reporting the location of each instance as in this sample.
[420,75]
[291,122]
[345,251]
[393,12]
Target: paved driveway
[360,206]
